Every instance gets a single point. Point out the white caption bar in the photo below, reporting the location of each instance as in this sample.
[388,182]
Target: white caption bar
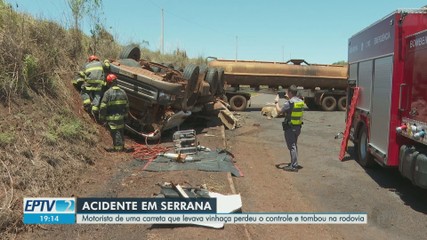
[241,218]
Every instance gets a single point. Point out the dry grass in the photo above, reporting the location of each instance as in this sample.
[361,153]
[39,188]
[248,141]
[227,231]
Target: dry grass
[49,149]
[44,140]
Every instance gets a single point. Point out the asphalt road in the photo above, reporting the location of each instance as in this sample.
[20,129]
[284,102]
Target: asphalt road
[396,209]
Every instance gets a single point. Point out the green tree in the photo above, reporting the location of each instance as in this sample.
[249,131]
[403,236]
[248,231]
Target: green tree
[80,9]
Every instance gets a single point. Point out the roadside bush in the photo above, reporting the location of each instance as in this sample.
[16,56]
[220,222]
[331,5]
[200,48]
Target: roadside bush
[6,138]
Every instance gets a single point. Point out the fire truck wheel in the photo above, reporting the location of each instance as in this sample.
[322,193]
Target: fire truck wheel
[342,103]
[238,103]
[364,158]
[132,52]
[212,79]
[329,103]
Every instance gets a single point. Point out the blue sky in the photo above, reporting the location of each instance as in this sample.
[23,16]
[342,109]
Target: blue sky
[271,30]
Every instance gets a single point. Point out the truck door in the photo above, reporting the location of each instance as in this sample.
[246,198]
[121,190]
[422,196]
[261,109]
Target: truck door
[381,102]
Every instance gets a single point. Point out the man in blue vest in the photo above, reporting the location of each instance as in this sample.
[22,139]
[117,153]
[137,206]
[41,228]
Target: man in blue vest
[293,111]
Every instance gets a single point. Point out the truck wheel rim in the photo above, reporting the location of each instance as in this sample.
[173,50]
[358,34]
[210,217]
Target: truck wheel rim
[329,102]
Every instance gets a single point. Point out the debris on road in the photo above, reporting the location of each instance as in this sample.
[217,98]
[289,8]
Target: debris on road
[148,153]
[270,111]
[225,203]
[214,161]
[185,141]
[228,119]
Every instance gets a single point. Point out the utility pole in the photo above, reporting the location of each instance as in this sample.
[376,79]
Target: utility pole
[237,43]
[162,35]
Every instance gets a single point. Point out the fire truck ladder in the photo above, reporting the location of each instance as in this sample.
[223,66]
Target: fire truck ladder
[349,122]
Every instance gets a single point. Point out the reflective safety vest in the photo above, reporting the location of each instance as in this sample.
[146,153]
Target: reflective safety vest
[296,114]
[95,78]
[114,107]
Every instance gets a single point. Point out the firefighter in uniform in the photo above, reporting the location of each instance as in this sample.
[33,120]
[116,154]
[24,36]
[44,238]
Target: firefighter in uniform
[293,111]
[114,110]
[92,88]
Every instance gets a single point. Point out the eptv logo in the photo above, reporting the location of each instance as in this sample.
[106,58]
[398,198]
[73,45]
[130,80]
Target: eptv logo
[49,205]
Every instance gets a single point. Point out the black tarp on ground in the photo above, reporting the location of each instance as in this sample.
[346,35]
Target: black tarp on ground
[214,161]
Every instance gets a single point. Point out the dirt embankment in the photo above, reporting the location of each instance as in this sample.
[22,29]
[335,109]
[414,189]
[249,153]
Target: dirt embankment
[45,145]
[46,141]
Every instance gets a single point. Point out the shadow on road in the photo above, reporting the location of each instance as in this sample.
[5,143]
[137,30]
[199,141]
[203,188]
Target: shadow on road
[391,179]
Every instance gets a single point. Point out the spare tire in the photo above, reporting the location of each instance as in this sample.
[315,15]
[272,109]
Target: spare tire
[329,103]
[238,103]
[131,51]
[212,79]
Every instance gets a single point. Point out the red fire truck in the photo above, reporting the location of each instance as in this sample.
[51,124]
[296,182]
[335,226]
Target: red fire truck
[388,64]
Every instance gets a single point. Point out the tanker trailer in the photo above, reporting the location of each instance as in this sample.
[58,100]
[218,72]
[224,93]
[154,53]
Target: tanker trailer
[319,84]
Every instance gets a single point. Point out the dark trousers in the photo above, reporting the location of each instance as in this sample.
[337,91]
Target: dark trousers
[291,137]
[118,138]
[91,100]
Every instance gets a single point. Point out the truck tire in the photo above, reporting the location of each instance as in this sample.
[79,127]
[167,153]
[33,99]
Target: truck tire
[131,51]
[329,103]
[342,103]
[238,103]
[221,83]
[311,104]
[212,79]
[364,158]
[191,73]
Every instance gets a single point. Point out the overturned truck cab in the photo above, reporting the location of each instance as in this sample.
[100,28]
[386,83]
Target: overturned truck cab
[161,97]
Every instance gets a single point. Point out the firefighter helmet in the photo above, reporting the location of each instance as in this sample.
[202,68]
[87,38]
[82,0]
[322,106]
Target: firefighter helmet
[111,78]
[93,58]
